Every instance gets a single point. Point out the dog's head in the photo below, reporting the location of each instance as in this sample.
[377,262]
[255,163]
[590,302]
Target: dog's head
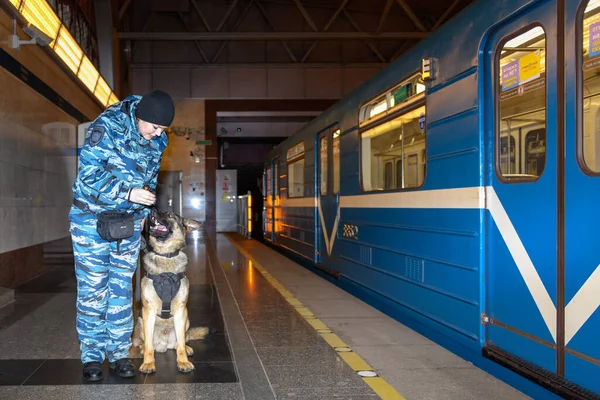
[167,230]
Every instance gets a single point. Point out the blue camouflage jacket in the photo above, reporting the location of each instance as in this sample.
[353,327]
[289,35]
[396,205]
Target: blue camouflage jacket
[115,158]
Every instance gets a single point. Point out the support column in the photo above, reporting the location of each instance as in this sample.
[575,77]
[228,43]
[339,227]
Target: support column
[211,162]
[104,31]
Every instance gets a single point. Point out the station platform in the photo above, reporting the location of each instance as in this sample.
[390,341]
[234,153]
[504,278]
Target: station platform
[278,331]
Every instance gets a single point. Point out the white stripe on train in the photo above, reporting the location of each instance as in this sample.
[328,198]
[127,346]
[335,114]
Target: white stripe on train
[577,312]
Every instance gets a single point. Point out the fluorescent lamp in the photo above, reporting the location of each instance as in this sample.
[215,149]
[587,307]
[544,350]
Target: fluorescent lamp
[102,91]
[88,74]
[67,49]
[40,14]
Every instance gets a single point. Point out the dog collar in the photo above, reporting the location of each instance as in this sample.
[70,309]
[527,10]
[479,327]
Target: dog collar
[168,255]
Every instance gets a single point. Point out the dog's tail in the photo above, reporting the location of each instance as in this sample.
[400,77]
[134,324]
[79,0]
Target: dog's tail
[196,333]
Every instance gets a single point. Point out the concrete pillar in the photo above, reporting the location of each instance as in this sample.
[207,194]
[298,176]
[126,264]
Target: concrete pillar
[104,30]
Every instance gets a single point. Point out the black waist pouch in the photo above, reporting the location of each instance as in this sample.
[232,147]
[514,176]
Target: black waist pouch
[115,225]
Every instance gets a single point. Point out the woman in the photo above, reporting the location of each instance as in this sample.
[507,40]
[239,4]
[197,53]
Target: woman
[118,169]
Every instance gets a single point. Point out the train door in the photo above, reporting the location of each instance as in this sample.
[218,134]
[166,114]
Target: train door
[268,204]
[276,201]
[523,99]
[582,194]
[327,193]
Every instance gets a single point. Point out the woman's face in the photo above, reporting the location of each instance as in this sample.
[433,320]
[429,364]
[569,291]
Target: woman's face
[150,131]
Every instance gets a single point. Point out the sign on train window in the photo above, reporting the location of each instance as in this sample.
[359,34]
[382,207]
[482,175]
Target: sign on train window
[590,65]
[295,151]
[521,102]
[397,97]
[393,153]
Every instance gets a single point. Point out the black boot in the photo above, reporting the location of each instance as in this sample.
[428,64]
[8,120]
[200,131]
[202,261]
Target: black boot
[123,367]
[92,371]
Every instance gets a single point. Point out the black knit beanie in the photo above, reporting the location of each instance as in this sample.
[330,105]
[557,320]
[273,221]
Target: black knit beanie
[157,108]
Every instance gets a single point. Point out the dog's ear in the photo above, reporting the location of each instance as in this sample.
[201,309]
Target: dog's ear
[191,225]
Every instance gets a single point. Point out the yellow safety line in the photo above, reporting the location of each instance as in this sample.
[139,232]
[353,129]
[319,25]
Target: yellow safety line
[354,361]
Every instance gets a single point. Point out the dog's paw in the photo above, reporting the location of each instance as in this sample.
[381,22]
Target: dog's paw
[148,368]
[185,366]
[189,351]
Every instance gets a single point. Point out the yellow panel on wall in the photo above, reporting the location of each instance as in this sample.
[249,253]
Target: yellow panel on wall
[40,14]
[88,74]
[67,49]
[102,91]
[113,99]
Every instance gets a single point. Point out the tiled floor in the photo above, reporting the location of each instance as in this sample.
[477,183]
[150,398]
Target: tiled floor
[259,346]
[415,366]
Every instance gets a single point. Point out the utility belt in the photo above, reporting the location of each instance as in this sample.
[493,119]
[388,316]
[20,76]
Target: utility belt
[112,225]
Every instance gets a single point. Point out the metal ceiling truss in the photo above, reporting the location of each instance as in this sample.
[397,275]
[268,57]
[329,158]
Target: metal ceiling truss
[370,39]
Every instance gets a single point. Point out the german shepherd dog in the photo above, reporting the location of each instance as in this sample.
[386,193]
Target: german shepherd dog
[166,262]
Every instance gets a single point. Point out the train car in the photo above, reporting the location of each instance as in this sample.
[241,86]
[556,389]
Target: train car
[456,191]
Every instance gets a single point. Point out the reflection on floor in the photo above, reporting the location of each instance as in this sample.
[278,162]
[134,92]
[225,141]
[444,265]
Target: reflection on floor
[259,347]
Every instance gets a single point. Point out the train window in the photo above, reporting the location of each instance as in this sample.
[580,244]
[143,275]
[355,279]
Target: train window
[323,162]
[295,170]
[390,152]
[521,126]
[269,180]
[336,161]
[590,143]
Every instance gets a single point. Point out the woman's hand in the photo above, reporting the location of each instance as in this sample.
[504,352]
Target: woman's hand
[142,196]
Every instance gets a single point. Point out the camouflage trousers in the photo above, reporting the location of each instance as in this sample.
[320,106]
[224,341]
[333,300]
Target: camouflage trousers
[104,289]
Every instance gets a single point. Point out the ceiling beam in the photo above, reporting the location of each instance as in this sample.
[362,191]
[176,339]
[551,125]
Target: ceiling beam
[326,5]
[307,17]
[384,14]
[411,15]
[268,36]
[235,26]
[297,65]
[268,21]
[201,15]
[198,45]
[144,29]
[326,28]
[123,9]
[440,21]
[367,43]
[227,14]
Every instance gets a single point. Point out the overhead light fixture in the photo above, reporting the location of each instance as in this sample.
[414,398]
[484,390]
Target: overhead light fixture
[46,29]
[88,74]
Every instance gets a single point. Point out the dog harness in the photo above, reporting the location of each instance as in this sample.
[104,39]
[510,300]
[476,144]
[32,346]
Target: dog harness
[166,285]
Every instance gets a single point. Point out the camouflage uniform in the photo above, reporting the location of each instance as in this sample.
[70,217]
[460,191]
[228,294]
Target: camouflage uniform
[115,158]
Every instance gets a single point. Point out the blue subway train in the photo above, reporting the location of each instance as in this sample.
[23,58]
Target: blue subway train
[457,192]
